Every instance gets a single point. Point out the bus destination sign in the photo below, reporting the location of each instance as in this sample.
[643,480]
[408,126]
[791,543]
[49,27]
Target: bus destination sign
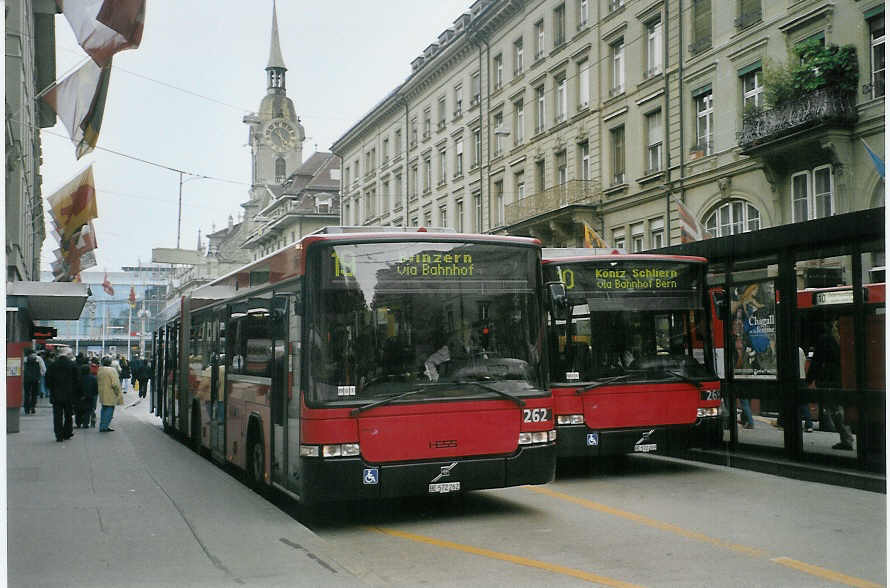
[626,277]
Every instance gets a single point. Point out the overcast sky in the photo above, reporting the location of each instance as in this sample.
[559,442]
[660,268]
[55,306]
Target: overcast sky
[179,98]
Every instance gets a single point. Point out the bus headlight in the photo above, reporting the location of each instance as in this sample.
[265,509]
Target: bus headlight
[707,412]
[537,437]
[570,419]
[333,450]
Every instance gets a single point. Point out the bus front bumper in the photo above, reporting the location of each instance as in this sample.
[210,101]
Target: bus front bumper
[354,479]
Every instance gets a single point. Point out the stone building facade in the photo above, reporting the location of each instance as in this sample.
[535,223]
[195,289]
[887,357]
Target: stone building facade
[543,117]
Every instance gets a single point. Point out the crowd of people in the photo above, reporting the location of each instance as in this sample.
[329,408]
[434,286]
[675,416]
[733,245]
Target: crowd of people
[75,385]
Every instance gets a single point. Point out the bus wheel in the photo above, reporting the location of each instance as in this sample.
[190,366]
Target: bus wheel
[257,466]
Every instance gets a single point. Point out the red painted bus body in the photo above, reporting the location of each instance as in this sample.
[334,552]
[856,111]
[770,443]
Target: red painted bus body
[631,366]
[357,365]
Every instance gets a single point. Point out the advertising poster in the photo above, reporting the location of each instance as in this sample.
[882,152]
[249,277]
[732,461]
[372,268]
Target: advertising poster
[753,316]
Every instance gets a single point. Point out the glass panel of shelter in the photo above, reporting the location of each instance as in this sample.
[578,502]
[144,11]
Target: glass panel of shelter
[824,325]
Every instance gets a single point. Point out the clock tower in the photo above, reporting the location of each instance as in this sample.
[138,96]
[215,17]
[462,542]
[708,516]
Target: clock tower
[276,135]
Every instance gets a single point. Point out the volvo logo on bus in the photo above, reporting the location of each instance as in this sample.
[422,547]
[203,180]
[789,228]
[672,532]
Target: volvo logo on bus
[444,472]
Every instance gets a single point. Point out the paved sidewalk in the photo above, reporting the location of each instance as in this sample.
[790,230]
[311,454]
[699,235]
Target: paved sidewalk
[136,508]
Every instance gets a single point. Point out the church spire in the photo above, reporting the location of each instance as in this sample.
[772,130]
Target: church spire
[275,68]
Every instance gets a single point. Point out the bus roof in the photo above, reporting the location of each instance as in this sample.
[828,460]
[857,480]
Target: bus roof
[577,255]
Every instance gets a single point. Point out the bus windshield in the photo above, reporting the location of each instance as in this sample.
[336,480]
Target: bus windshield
[433,319]
[637,321]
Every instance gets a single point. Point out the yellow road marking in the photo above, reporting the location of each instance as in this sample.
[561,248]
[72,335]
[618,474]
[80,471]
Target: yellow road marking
[824,573]
[752,551]
[532,563]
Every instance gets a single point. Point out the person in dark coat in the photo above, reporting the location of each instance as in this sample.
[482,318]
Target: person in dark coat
[825,372]
[90,386]
[141,370]
[30,380]
[63,381]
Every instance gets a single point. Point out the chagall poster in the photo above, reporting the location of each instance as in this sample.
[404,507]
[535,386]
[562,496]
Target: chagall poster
[753,312]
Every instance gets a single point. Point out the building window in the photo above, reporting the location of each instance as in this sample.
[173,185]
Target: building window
[476,89]
[617,53]
[812,194]
[459,221]
[517,57]
[615,5]
[443,166]
[617,137]
[518,122]
[519,185]
[477,147]
[413,132]
[498,133]
[539,176]
[560,98]
[653,141]
[397,142]
[876,34]
[498,189]
[427,124]
[459,158]
[656,233]
[561,169]
[583,13]
[704,122]
[477,212]
[636,237]
[539,40]
[584,161]
[443,216]
[427,174]
[654,45]
[413,221]
[732,218]
[280,167]
[701,26]
[749,13]
[559,25]
[498,71]
[618,238]
[397,191]
[441,113]
[583,84]
[823,191]
[415,182]
[752,89]
[385,150]
[387,197]
[539,109]
[458,101]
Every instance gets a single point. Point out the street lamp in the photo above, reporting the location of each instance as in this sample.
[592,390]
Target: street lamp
[179,215]
[142,314]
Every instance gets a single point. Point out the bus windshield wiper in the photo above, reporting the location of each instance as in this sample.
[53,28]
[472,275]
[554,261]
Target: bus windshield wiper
[605,382]
[507,395]
[684,378]
[369,406]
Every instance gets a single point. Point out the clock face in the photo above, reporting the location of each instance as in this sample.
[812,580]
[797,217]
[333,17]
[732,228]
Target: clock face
[280,135]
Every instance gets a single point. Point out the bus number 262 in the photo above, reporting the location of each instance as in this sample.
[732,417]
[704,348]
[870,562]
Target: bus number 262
[535,415]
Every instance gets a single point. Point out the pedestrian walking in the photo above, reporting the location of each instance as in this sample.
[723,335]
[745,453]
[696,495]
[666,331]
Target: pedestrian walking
[141,370]
[42,390]
[90,393]
[63,381]
[825,372]
[30,380]
[109,393]
[125,375]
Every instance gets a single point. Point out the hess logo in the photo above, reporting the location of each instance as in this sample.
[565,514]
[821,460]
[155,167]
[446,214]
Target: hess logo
[443,444]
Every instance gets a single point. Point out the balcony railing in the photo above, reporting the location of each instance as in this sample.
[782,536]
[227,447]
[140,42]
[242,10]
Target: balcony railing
[554,198]
[825,105]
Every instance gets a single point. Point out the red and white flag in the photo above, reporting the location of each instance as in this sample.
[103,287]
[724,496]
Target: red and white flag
[79,100]
[106,285]
[104,27]
[690,228]
[132,298]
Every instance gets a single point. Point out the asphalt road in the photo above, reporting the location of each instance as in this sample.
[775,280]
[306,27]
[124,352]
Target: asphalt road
[135,507]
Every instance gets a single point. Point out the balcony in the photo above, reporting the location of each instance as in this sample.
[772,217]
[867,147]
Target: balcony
[819,108]
[554,198]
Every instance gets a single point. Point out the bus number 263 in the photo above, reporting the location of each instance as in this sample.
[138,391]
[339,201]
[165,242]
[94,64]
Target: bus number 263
[535,415]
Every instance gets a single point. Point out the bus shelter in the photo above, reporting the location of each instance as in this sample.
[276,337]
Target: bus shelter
[800,347]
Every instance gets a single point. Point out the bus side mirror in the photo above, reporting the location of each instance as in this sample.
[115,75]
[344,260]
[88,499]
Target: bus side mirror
[559,301]
[721,308]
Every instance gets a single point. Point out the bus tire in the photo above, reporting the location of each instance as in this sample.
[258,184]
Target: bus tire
[256,460]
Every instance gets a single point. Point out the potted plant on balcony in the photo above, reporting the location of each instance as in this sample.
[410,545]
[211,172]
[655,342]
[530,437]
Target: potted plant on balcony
[811,67]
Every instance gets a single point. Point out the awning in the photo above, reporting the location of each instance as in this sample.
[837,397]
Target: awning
[48,301]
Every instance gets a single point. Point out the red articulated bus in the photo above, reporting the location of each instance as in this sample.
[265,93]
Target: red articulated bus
[365,365]
[631,359]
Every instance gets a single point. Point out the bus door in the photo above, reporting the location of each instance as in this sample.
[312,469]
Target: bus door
[217,388]
[279,389]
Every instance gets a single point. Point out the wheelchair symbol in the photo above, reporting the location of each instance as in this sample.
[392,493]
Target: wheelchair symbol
[593,439]
[370,476]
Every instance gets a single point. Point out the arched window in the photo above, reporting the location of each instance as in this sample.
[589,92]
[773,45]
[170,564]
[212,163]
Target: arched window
[731,218]
[279,169]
